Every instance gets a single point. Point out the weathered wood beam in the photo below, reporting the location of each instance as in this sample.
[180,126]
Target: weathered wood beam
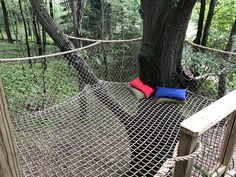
[9,162]
[187,145]
[198,124]
[203,120]
[230,142]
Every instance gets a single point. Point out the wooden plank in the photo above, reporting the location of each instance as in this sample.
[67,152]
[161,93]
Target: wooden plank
[9,162]
[187,145]
[227,138]
[219,172]
[230,142]
[203,120]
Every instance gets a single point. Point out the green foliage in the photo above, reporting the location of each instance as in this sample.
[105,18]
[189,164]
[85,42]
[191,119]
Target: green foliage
[207,62]
[8,50]
[24,85]
[203,172]
[224,15]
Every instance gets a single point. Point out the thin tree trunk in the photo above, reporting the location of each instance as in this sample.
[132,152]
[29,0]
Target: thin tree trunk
[1,34]
[6,21]
[198,38]
[37,36]
[51,8]
[164,30]
[17,31]
[229,48]
[77,9]
[28,20]
[25,29]
[208,22]
[44,40]
[28,26]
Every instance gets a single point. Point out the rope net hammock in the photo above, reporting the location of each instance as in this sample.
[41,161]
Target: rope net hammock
[67,125]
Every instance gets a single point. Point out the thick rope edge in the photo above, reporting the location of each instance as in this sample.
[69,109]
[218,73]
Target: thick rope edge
[171,161]
[49,55]
[139,39]
[97,42]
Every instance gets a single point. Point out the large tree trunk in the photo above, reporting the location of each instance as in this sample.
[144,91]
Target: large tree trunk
[208,22]
[6,21]
[198,38]
[164,29]
[229,48]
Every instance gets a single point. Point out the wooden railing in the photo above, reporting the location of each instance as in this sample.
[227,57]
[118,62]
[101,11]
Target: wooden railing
[196,125]
[9,162]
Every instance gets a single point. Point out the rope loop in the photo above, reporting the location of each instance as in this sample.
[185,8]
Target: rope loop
[171,161]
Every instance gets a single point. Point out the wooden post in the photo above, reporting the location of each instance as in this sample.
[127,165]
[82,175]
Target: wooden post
[187,145]
[9,162]
[199,123]
[229,143]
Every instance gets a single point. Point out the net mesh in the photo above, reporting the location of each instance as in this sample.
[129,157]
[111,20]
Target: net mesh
[66,126]
[213,141]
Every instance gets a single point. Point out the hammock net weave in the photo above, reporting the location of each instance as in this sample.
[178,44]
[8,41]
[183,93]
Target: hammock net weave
[66,125]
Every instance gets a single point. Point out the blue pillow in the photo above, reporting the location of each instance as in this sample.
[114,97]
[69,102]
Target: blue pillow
[178,94]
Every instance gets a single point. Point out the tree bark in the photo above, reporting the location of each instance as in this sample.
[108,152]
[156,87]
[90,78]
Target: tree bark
[164,29]
[2,37]
[25,29]
[198,38]
[208,22]
[17,31]
[77,9]
[229,48]
[37,35]
[51,8]
[6,21]
[28,25]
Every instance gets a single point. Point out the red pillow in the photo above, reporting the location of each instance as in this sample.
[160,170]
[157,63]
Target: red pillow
[138,84]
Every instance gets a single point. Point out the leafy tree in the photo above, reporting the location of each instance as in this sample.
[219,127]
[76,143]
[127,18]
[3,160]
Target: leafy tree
[217,25]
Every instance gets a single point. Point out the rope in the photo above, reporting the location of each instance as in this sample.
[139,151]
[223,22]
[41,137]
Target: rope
[50,55]
[105,41]
[211,49]
[170,162]
[97,42]
[139,39]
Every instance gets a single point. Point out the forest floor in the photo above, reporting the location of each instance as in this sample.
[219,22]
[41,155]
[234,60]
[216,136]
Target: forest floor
[11,50]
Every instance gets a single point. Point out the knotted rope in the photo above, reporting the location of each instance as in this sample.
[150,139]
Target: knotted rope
[171,161]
